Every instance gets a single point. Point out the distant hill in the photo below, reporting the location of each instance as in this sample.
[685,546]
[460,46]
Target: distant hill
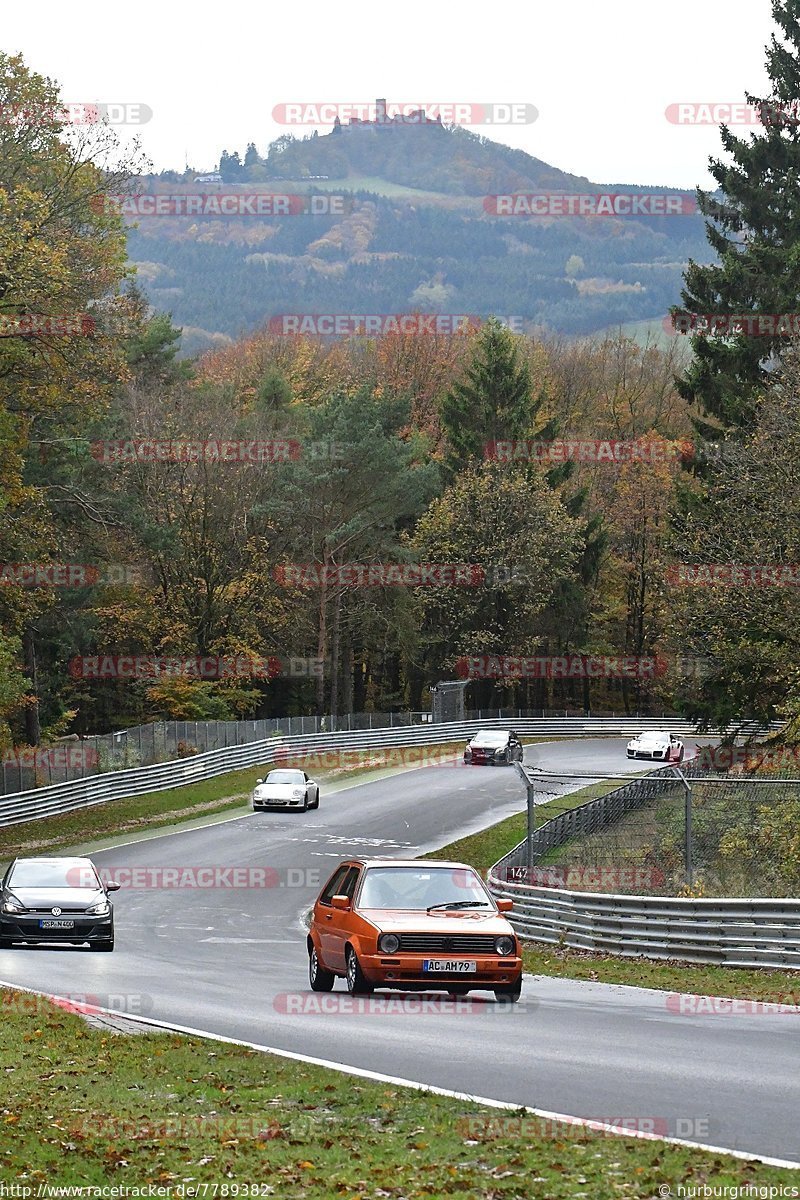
[431,157]
[414,232]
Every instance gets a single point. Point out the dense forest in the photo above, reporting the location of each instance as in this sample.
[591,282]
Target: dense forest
[345,501]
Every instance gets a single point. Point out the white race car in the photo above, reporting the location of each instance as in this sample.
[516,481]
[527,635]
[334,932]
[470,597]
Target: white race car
[656,744]
[286,788]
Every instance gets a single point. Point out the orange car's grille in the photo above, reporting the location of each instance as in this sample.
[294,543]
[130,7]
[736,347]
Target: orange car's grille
[435,943]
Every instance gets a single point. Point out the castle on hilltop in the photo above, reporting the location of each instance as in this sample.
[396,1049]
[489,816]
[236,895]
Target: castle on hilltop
[382,120]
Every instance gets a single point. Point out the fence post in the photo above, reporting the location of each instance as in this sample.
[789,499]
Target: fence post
[688,849]
[531,803]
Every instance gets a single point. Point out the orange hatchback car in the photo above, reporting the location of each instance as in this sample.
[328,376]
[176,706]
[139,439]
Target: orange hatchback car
[412,925]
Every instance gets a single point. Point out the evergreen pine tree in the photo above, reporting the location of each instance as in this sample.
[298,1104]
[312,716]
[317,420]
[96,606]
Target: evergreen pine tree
[753,224]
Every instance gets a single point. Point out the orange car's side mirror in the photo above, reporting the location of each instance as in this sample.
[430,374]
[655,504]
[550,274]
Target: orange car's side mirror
[505,905]
[340,902]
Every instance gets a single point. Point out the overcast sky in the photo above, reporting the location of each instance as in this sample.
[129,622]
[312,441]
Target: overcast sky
[601,75]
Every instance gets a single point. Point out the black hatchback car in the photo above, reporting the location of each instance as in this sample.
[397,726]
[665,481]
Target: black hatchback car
[492,747]
[56,900]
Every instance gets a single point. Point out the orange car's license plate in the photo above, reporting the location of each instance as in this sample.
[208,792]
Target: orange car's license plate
[450,966]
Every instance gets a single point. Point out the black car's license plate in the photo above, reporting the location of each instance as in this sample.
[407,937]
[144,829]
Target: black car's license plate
[53,923]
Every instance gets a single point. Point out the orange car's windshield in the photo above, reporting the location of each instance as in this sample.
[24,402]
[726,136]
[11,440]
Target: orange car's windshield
[423,888]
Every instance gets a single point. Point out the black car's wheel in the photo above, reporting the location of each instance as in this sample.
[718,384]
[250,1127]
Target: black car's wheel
[5,943]
[510,993]
[357,985]
[102,946]
[320,979]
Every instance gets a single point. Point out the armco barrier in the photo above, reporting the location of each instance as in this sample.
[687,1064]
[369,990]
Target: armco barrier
[732,933]
[729,932]
[116,785]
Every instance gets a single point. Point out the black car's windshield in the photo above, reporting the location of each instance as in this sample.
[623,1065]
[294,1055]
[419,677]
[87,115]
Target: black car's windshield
[422,888]
[53,874]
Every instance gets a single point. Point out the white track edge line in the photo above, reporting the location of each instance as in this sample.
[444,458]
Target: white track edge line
[415,1085]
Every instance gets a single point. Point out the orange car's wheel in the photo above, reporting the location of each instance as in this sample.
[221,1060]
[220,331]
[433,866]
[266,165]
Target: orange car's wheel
[509,994]
[357,984]
[320,979]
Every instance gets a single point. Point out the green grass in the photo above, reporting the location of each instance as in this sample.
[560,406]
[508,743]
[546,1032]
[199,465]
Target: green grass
[482,850]
[82,1107]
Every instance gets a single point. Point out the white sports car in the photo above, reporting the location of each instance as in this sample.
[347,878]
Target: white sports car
[656,744]
[286,788]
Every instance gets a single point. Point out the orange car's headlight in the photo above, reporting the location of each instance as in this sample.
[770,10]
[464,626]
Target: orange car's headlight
[388,943]
[505,946]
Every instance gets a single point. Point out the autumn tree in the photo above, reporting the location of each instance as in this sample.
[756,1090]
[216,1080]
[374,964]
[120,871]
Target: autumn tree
[62,255]
[516,528]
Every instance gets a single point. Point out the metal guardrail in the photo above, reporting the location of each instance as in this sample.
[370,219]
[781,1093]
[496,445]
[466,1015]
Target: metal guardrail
[74,757]
[728,932]
[117,785]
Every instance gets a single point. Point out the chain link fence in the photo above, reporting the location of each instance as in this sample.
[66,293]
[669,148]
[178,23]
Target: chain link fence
[700,831]
[164,741]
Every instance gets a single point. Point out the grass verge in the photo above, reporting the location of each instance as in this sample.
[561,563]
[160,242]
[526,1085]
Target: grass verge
[82,1107]
[482,850]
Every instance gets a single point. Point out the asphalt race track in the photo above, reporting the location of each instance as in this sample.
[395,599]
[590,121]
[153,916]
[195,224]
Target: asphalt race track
[232,961]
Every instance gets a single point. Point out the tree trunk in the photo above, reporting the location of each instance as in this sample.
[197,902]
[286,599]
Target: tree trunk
[33,731]
[347,672]
[337,618]
[322,639]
